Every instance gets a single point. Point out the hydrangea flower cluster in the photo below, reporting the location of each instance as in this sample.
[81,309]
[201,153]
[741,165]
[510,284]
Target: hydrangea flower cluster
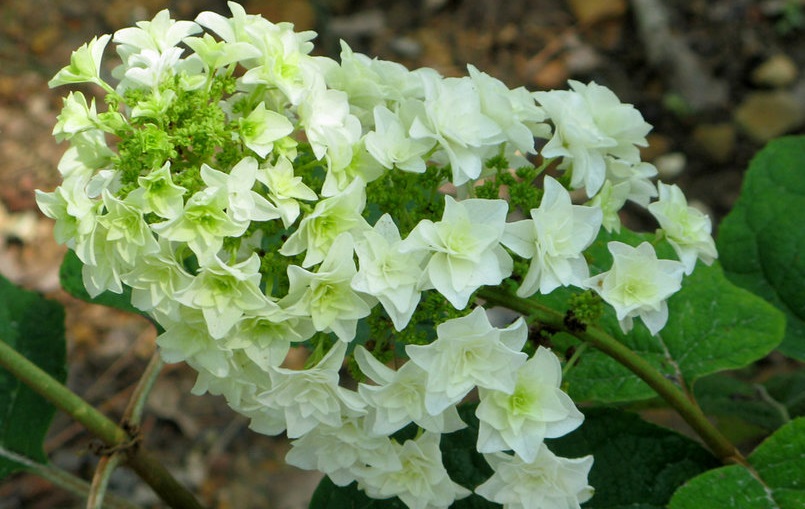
[255,197]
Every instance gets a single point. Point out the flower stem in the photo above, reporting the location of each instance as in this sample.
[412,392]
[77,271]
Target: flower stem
[64,480]
[718,444]
[145,465]
[131,417]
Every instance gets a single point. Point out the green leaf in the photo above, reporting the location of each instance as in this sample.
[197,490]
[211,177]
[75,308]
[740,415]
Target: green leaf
[776,479]
[746,410]
[713,326]
[34,326]
[762,240]
[636,464]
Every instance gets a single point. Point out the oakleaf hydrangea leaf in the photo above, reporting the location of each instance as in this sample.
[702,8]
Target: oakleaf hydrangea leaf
[713,326]
[34,327]
[776,479]
[762,240]
[637,464]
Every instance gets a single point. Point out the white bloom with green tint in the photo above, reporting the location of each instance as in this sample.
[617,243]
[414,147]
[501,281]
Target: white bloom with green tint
[244,204]
[326,295]
[155,281]
[464,248]
[160,195]
[85,65]
[158,34]
[265,335]
[285,189]
[261,128]
[76,116]
[126,230]
[590,124]
[390,144]
[452,117]
[638,284]
[224,293]
[553,239]
[187,340]
[535,410]
[399,398]
[422,481]
[312,397]
[686,228]
[331,217]
[203,224]
[388,274]
[469,352]
[75,213]
[610,200]
[340,451]
[548,482]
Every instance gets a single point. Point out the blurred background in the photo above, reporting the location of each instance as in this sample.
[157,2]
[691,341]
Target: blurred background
[716,79]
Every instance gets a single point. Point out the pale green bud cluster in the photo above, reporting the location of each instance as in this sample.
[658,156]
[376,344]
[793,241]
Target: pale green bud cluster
[255,197]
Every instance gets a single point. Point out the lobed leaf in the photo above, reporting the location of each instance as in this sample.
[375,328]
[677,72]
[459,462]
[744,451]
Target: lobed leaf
[775,479]
[762,240]
[34,326]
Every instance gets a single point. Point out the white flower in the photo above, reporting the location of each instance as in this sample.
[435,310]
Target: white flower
[149,68]
[160,194]
[155,280]
[159,34]
[464,247]
[391,146]
[76,116]
[549,482]
[337,451]
[399,398]
[261,128]
[215,54]
[635,176]
[638,284]
[88,152]
[554,239]
[328,124]
[537,409]
[359,78]
[187,340]
[686,228]
[311,397]
[126,230]
[468,351]
[387,273]
[451,115]
[265,335]
[421,482]
[203,224]
[224,293]
[591,123]
[284,189]
[85,65]
[331,217]
[515,111]
[610,200]
[327,296]
[244,203]
[75,213]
